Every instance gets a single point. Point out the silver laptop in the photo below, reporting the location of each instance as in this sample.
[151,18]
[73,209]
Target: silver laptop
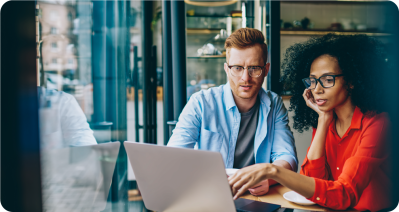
[177,179]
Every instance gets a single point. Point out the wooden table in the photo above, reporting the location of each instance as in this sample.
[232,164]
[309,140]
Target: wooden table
[275,196]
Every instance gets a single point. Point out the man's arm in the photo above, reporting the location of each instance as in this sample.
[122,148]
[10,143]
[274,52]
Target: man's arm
[75,129]
[283,149]
[188,127]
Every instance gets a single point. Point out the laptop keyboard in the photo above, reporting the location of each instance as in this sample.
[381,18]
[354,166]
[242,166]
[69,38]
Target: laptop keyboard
[239,210]
[245,205]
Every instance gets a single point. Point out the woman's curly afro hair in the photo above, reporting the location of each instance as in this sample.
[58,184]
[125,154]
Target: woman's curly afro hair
[361,58]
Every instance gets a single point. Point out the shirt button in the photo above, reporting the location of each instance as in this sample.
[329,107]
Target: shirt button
[317,198]
[337,168]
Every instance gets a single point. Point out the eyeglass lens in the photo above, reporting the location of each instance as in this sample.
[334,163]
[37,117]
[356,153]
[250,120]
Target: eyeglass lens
[326,82]
[254,71]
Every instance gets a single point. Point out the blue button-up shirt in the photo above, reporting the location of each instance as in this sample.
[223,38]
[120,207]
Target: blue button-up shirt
[211,121]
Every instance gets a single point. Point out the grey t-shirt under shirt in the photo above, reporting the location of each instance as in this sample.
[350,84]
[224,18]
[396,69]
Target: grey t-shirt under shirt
[244,152]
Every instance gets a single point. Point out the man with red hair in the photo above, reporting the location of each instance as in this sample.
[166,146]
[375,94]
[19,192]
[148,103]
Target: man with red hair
[244,122]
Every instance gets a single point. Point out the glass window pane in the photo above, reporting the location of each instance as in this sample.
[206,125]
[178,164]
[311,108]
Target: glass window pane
[85,65]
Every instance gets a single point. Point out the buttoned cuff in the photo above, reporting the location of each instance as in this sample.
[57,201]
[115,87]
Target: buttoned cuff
[319,196]
[290,159]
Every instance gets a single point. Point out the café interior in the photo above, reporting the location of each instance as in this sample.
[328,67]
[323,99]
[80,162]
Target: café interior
[124,70]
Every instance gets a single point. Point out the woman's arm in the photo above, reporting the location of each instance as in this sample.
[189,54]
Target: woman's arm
[252,175]
[263,187]
[317,147]
[318,168]
[315,162]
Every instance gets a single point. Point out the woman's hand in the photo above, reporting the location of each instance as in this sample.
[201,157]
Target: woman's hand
[324,116]
[248,177]
[316,149]
[310,101]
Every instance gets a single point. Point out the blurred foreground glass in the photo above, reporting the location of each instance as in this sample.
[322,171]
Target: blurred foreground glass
[62,121]
[78,178]
[84,66]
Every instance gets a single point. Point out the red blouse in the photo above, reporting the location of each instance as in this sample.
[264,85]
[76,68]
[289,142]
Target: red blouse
[355,171]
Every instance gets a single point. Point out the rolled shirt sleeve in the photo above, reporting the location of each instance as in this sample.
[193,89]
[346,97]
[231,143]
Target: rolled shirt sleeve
[75,129]
[286,157]
[188,127]
[283,143]
[317,168]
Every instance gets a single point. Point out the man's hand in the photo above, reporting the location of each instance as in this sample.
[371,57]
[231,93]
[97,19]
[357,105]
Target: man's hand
[248,177]
[255,178]
[261,189]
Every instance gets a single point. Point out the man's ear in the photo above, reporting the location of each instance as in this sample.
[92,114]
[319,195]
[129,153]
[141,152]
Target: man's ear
[267,68]
[226,69]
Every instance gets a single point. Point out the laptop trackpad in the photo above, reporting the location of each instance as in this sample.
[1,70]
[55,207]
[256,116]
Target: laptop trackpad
[254,206]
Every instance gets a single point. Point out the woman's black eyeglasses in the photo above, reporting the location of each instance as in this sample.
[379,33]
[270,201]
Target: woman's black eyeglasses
[326,81]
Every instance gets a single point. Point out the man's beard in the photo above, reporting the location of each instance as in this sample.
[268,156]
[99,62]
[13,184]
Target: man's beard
[254,91]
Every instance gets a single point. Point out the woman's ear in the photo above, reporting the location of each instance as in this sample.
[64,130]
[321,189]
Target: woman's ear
[350,89]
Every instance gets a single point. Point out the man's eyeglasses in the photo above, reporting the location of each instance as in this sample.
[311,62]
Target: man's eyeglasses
[326,81]
[253,71]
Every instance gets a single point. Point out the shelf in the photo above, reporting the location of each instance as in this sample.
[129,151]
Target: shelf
[214,16]
[335,1]
[207,57]
[322,32]
[210,4]
[203,31]
[135,30]
[213,23]
[286,97]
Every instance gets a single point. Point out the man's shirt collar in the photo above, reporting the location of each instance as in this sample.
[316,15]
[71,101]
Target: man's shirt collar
[228,97]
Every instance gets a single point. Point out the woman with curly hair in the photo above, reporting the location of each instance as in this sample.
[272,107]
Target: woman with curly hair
[336,84]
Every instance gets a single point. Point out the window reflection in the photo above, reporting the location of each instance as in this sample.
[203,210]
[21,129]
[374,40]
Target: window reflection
[83,68]
[63,122]
[78,178]
[65,100]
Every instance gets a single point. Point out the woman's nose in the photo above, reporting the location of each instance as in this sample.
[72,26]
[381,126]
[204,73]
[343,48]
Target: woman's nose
[318,88]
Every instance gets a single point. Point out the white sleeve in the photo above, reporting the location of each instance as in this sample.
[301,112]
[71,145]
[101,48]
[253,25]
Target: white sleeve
[75,129]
